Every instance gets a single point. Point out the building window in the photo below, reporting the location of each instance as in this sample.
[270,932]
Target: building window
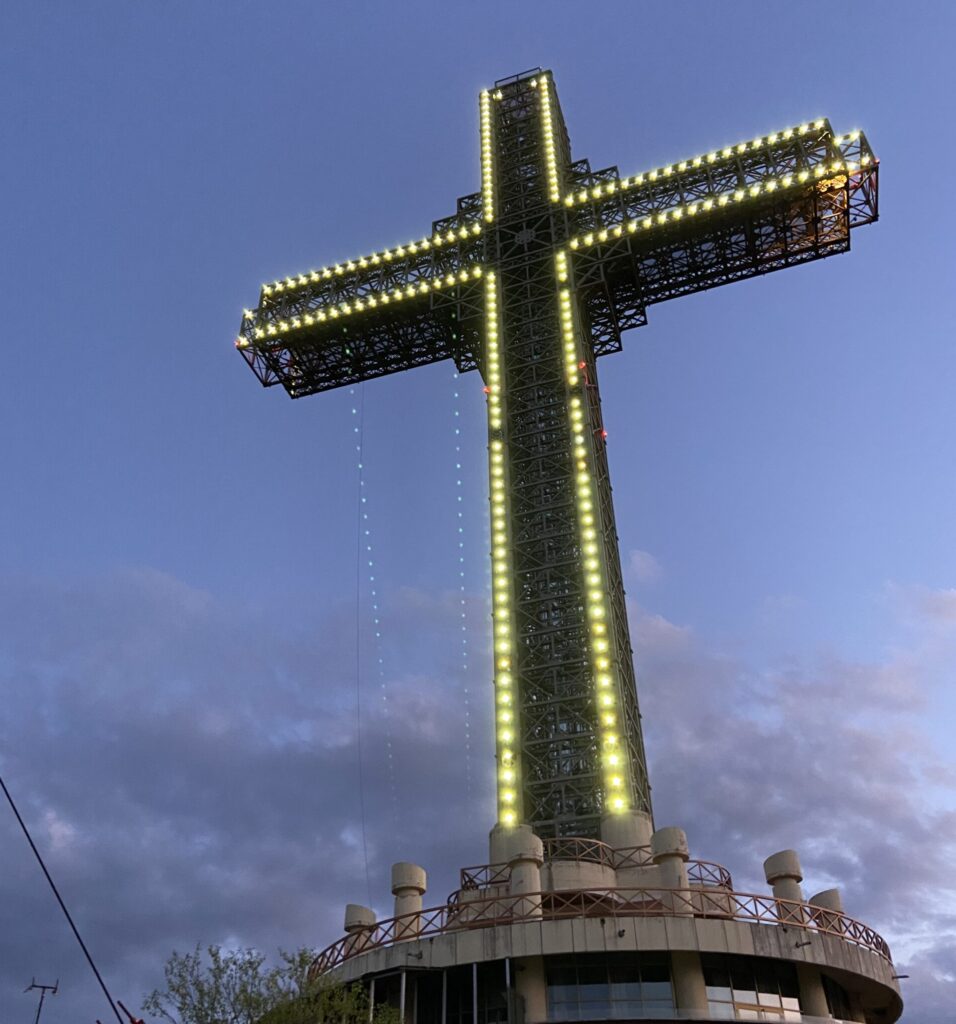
[745,988]
[609,987]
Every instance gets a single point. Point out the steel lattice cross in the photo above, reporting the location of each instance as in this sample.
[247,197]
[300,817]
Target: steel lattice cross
[534,277]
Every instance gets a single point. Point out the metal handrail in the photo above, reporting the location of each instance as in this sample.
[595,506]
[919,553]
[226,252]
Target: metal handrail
[485,912]
[699,872]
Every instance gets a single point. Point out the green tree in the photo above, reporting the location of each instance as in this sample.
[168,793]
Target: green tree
[237,987]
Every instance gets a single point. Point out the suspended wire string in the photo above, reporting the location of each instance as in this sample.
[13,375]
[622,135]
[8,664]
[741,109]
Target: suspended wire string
[59,899]
[462,605]
[366,556]
[359,430]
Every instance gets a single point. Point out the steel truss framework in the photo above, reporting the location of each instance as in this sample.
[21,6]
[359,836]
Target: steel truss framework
[531,280]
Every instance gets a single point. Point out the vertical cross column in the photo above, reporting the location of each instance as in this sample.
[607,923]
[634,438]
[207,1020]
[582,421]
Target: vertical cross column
[569,744]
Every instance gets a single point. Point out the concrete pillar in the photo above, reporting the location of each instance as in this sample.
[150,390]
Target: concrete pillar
[813,1001]
[529,982]
[825,909]
[784,873]
[628,829]
[358,918]
[688,977]
[525,853]
[359,924]
[409,882]
[670,853]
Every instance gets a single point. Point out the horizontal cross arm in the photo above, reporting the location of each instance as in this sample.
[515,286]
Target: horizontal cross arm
[413,330]
[776,221]
[802,155]
[377,314]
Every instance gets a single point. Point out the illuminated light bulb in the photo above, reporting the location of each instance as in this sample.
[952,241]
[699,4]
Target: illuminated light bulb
[804,128]
[507,775]
[727,152]
[742,148]
[652,176]
[647,222]
[803,175]
[632,226]
[819,123]
[617,803]
[508,818]
[602,236]
[616,781]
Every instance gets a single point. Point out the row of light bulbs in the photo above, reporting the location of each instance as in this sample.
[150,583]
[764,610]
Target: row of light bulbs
[500,571]
[437,241]
[612,761]
[372,301]
[487,158]
[609,188]
[550,156]
[676,213]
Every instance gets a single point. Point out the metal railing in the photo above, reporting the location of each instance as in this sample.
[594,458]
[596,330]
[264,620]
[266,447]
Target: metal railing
[483,912]
[699,872]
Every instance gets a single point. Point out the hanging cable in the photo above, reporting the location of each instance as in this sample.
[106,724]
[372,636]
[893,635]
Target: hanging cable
[59,899]
[359,430]
[462,601]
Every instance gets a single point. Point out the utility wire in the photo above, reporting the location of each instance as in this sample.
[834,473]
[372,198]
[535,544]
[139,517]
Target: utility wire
[360,431]
[59,899]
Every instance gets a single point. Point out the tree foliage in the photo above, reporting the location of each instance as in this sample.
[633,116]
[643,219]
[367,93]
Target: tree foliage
[238,987]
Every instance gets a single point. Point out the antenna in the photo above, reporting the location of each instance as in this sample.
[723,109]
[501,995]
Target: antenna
[52,989]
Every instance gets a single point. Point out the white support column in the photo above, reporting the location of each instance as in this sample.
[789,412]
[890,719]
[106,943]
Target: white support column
[525,856]
[359,923]
[688,976]
[784,874]
[670,853]
[409,882]
[813,1000]
[529,980]
[626,829]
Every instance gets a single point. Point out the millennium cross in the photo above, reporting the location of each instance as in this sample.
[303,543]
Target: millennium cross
[531,280]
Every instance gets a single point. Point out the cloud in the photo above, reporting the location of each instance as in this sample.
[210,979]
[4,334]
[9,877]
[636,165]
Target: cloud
[644,567]
[190,773]
[190,770]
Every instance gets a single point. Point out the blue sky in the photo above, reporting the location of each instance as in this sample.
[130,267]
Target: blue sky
[177,547]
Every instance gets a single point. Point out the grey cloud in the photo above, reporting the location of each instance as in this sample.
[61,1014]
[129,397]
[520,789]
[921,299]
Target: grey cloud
[190,770]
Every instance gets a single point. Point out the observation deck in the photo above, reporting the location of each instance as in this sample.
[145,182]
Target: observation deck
[567,929]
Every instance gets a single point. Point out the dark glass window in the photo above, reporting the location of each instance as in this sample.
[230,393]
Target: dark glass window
[745,988]
[615,986]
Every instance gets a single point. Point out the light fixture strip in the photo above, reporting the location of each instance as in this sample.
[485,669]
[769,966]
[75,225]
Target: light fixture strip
[373,300]
[422,245]
[547,128]
[842,143]
[487,157]
[502,570]
[607,694]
